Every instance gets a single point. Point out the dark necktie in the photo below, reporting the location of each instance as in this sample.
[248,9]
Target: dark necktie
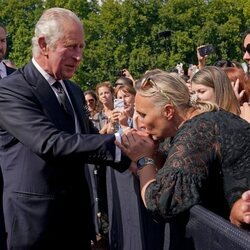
[63,99]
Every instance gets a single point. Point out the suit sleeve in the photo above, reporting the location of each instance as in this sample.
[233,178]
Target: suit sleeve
[23,116]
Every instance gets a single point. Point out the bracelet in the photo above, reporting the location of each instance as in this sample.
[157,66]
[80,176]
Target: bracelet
[144,161]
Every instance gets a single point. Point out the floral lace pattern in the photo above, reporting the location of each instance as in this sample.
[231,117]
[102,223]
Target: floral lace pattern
[208,163]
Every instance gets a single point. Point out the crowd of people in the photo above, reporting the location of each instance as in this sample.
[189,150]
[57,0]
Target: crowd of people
[78,171]
[228,89]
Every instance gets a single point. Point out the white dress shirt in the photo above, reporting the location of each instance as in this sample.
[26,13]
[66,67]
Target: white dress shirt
[3,71]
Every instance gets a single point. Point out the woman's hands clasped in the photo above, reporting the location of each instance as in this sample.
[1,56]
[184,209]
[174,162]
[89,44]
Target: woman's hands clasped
[137,144]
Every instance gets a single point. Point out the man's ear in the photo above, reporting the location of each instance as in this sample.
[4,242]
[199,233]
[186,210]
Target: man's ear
[168,111]
[43,45]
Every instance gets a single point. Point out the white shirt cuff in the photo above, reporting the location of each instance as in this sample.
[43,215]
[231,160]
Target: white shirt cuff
[117,150]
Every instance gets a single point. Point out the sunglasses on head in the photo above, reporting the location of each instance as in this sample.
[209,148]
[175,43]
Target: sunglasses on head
[246,49]
[148,83]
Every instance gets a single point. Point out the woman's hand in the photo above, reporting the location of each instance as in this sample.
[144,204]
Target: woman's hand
[123,118]
[201,59]
[127,74]
[137,145]
[114,118]
[104,129]
[235,86]
[245,111]
[240,212]
[112,121]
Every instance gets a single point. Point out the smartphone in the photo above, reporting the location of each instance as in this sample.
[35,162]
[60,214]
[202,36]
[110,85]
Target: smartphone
[118,104]
[206,50]
[119,73]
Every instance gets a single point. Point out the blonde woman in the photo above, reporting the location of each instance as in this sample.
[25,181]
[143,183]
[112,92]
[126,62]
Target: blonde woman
[208,157]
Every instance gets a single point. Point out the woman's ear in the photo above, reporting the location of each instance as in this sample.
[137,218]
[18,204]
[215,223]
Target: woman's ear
[43,45]
[169,111]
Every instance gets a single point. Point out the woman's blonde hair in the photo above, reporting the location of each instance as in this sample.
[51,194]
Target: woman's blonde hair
[166,87]
[214,77]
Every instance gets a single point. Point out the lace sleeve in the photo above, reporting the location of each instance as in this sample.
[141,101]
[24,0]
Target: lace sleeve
[181,182]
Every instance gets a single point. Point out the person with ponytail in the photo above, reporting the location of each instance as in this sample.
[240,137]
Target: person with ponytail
[207,159]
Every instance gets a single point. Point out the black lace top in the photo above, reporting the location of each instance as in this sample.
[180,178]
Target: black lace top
[208,163]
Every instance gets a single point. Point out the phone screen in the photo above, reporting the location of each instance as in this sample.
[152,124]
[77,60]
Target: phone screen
[206,50]
[118,104]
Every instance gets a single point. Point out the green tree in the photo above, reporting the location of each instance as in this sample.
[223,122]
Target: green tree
[124,34]
[225,23]
[197,22]
[121,35]
[20,18]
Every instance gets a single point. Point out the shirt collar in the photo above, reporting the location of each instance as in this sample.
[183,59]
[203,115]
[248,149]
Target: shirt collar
[3,71]
[47,77]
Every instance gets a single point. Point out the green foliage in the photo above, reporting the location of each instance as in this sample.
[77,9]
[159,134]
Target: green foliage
[124,34]
[124,40]
[20,18]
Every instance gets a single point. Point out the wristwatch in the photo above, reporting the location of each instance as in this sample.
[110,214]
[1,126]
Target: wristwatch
[142,162]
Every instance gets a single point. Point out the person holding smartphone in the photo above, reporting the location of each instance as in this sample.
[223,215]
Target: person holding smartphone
[202,52]
[130,225]
[122,115]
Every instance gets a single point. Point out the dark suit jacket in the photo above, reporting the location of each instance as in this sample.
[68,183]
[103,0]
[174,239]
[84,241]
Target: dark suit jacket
[46,199]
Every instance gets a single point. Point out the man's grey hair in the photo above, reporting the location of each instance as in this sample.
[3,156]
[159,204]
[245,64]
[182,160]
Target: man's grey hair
[50,25]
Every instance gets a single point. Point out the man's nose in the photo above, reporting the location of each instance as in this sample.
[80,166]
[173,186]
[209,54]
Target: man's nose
[78,53]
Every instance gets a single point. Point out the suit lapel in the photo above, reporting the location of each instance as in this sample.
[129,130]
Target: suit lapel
[49,102]
[46,96]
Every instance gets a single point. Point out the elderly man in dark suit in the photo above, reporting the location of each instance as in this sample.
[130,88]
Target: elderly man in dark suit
[46,198]
[4,71]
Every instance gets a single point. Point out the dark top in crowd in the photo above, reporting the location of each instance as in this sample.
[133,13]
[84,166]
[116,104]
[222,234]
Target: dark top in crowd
[46,198]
